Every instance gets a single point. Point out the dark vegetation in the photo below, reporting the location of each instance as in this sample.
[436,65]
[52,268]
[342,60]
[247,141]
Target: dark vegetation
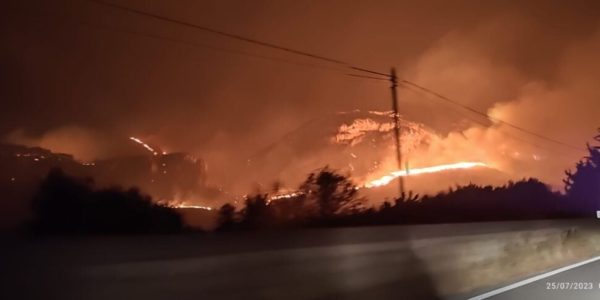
[523,200]
[66,205]
[582,186]
[329,199]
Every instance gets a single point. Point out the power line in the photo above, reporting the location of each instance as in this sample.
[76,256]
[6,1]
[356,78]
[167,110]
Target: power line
[206,46]
[189,43]
[218,32]
[330,60]
[235,36]
[368,77]
[369,71]
[216,48]
[288,135]
[512,136]
[440,96]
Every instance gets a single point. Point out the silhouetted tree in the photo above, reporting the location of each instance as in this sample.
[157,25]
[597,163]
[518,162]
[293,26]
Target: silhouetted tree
[526,199]
[326,198]
[59,204]
[583,186]
[331,192]
[66,205]
[406,197]
[293,211]
[226,220]
[256,213]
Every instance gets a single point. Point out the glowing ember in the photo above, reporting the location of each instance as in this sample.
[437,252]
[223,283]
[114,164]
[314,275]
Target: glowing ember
[388,178]
[402,173]
[285,196]
[351,134]
[143,144]
[182,205]
[377,131]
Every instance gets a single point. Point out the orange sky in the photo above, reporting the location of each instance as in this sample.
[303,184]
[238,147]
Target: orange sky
[83,73]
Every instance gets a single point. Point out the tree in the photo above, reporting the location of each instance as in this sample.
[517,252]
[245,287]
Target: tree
[226,218]
[67,205]
[59,206]
[256,214]
[331,192]
[582,186]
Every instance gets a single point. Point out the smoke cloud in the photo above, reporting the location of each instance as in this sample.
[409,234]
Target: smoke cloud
[83,89]
[84,144]
[563,105]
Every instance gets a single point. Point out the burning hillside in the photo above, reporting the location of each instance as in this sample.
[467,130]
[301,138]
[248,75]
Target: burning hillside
[361,144]
[356,143]
[427,170]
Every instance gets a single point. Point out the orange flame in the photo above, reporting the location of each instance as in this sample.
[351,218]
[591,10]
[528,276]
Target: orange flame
[433,169]
[183,205]
[393,175]
[144,145]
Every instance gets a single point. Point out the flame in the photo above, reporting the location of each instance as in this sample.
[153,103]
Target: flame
[402,173]
[177,202]
[144,145]
[433,169]
[183,205]
[414,135]
[352,134]
[285,196]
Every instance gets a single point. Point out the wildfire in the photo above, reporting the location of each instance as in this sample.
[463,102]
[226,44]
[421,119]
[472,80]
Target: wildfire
[174,203]
[433,169]
[402,173]
[183,205]
[285,196]
[353,133]
[144,145]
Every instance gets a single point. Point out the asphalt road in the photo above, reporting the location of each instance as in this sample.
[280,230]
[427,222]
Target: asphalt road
[578,282]
[344,263]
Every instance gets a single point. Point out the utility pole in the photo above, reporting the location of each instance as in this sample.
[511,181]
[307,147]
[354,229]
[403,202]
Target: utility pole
[394,82]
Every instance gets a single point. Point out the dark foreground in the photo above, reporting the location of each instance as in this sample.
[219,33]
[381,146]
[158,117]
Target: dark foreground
[348,263]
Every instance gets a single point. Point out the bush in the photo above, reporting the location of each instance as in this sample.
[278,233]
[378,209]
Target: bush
[582,187]
[66,205]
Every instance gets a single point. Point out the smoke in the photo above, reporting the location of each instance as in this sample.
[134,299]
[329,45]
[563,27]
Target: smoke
[533,64]
[84,144]
[563,105]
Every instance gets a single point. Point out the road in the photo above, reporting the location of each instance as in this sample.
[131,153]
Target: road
[343,263]
[577,282]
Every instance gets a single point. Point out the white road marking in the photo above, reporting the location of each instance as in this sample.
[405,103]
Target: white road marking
[534,278]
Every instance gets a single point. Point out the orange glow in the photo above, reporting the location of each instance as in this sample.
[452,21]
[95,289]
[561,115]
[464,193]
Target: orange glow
[285,196]
[433,169]
[183,205]
[179,203]
[384,180]
[352,133]
[144,145]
